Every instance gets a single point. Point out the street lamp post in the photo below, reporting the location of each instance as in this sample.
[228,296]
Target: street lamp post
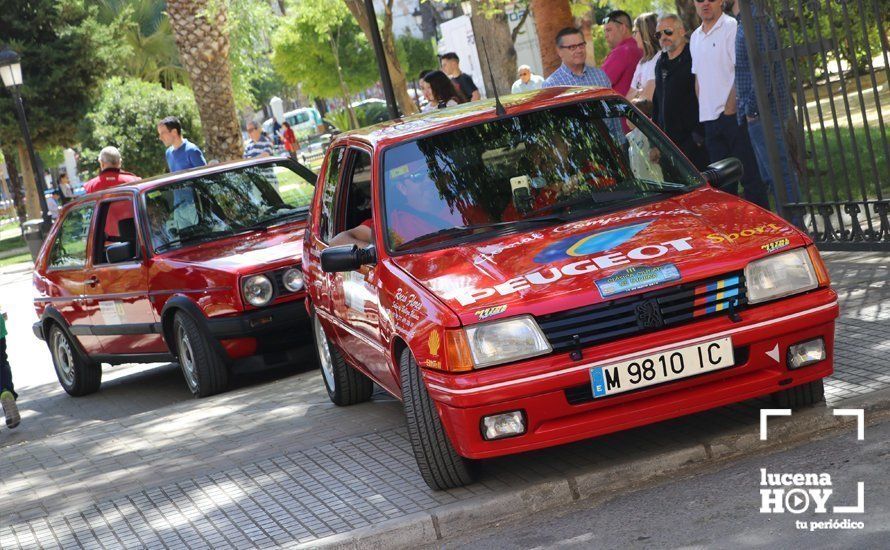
[11,73]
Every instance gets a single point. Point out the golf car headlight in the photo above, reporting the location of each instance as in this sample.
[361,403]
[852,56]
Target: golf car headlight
[780,275]
[292,279]
[257,290]
[504,341]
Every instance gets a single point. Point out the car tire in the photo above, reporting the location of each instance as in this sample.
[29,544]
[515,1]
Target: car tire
[800,396]
[77,375]
[440,465]
[204,371]
[345,385]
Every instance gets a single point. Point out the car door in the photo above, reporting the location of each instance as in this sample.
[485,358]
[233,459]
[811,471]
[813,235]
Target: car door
[66,271]
[123,318]
[354,294]
[320,233]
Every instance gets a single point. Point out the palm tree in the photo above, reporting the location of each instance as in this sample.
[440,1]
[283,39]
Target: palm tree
[201,35]
[146,32]
[550,17]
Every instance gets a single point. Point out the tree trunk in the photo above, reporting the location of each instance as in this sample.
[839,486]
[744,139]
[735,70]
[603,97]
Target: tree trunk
[15,190]
[203,43]
[551,16]
[686,11]
[396,73]
[501,52]
[32,200]
[334,41]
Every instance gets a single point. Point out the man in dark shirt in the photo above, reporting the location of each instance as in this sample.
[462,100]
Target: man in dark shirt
[675,105]
[463,81]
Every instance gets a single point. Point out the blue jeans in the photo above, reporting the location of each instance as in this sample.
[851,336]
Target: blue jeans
[725,137]
[758,142]
[5,371]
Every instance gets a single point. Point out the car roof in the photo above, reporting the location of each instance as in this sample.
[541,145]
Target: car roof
[410,127]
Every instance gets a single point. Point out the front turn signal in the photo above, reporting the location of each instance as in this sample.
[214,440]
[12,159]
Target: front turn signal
[458,357]
[819,266]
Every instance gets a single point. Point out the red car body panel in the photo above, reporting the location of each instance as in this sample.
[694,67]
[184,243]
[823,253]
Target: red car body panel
[412,299]
[205,278]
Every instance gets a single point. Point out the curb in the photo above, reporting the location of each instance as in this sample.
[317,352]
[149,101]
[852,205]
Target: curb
[444,522]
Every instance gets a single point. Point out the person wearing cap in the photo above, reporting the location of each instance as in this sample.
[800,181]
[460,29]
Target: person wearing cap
[110,173]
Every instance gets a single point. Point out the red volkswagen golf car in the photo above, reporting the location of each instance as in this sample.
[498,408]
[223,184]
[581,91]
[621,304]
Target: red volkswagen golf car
[201,266]
[533,277]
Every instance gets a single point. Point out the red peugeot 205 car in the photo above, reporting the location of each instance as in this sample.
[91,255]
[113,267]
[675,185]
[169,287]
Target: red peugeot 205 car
[528,276]
[201,266]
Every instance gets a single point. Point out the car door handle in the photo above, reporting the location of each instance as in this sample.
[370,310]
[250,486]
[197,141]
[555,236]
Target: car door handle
[93,281]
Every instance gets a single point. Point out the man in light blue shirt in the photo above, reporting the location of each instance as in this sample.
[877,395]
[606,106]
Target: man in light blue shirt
[574,70]
[527,81]
[182,154]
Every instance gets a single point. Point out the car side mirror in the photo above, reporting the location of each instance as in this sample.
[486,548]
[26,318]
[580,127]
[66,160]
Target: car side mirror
[121,252]
[347,258]
[724,172]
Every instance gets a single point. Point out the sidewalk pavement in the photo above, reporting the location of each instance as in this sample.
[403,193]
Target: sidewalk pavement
[276,464]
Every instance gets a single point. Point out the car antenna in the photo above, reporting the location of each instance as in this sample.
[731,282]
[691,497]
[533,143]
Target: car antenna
[498,106]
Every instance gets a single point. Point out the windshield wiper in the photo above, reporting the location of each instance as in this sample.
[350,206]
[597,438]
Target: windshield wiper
[664,186]
[193,239]
[456,232]
[269,222]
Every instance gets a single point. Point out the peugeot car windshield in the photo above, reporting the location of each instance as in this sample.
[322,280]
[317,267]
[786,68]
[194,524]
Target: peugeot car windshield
[219,205]
[530,169]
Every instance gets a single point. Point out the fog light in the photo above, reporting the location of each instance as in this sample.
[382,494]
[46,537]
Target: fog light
[806,353]
[503,425]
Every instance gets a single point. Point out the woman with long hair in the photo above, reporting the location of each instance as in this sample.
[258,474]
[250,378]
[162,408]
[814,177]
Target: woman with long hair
[642,85]
[444,92]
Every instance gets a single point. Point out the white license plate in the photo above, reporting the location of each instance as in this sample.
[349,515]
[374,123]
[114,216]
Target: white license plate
[661,367]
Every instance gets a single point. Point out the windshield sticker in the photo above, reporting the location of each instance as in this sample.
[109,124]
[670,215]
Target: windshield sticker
[398,171]
[469,295]
[776,245]
[637,277]
[743,234]
[594,243]
[483,314]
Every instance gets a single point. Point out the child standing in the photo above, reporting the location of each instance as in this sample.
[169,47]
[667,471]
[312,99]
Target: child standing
[7,393]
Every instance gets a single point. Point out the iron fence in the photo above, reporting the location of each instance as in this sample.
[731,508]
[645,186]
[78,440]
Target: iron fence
[834,58]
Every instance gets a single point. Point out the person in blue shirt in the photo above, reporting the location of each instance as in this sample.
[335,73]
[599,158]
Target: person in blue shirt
[182,154]
[574,70]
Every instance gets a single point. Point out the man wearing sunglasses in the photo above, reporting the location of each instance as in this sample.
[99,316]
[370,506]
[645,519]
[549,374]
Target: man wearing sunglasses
[574,70]
[674,105]
[713,62]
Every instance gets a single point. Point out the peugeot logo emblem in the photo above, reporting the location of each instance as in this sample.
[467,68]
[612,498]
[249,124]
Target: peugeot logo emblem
[648,314]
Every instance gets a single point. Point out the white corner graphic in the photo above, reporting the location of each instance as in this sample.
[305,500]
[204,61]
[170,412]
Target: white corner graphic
[766,413]
[774,353]
[860,502]
[860,420]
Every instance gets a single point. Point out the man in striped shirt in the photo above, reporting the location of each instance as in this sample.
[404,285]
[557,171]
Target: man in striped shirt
[574,70]
[258,145]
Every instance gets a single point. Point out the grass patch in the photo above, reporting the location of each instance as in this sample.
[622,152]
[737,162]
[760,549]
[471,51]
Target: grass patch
[294,189]
[17,259]
[11,243]
[834,171]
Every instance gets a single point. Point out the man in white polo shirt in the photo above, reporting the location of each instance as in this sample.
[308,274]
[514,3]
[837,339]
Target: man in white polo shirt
[713,62]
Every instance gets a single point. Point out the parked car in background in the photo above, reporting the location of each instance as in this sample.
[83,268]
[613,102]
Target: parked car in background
[201,266]
[524,281]
[306,123]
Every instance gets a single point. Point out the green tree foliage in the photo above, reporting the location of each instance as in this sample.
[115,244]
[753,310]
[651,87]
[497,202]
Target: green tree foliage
[65,53]
[415,55]
[146,46]
[126,116]
[322,48]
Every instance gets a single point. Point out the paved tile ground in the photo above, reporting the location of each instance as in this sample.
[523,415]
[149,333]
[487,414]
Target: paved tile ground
[273,462]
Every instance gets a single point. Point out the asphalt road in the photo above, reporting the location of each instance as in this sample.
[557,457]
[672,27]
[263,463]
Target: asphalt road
[721,508]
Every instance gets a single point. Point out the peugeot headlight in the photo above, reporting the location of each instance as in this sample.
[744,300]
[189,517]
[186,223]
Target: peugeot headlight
[257,290]
[292,279]
[780,275]
[504,341]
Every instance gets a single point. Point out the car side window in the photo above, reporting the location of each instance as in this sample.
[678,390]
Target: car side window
[69,250]
[116,223]
[329,192]
[354,206]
